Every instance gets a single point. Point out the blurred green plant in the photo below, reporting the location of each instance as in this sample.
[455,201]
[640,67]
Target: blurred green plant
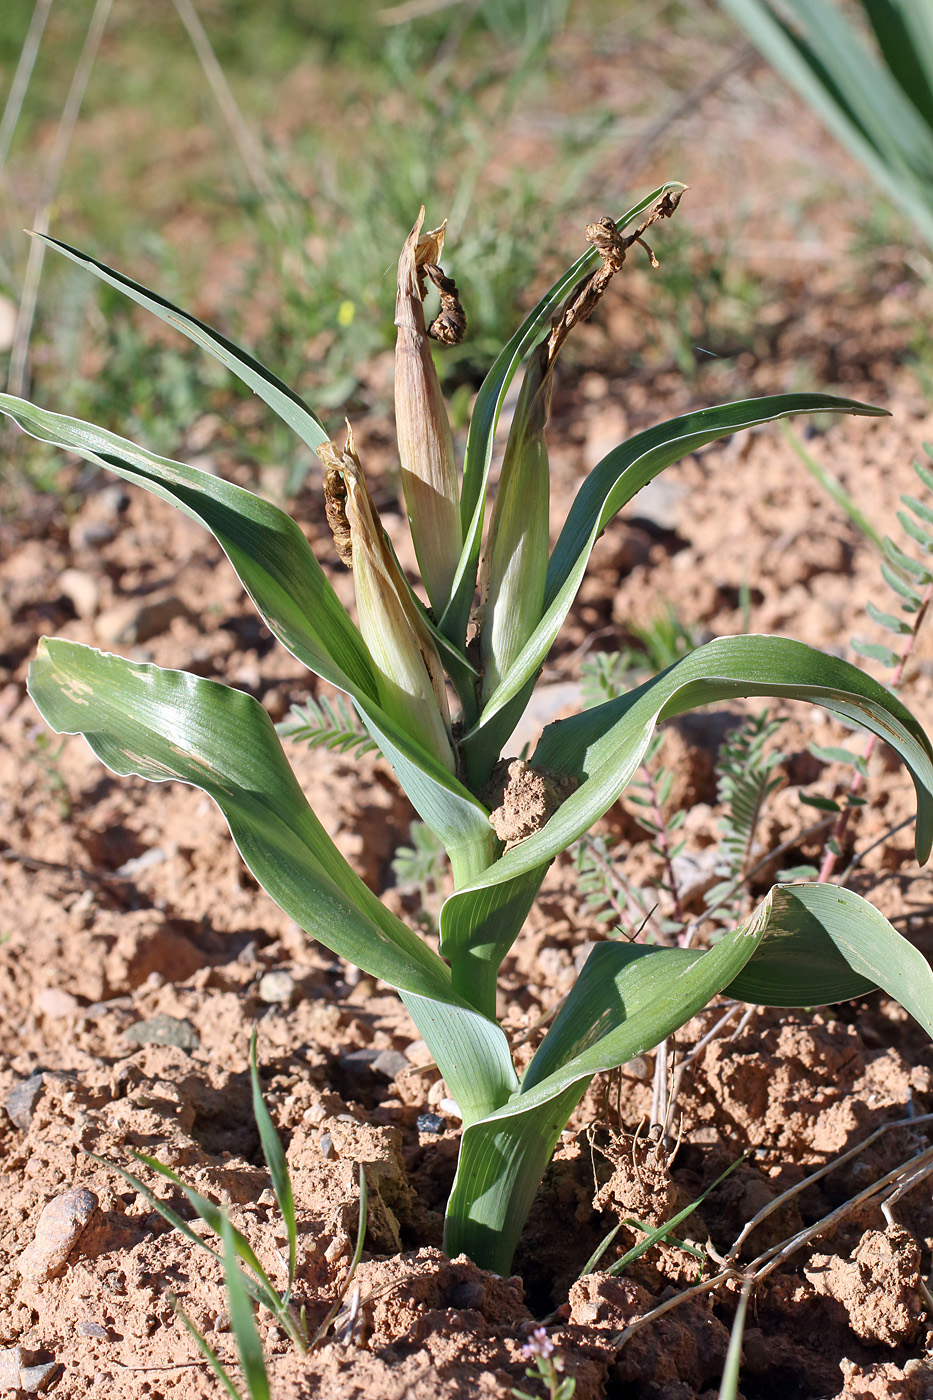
[876,97]
[502,822]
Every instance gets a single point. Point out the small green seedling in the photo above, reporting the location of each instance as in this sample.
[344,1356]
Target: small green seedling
[501,822]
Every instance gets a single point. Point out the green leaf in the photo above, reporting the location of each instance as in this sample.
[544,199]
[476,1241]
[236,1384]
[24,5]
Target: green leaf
[276,1161]
[485,417]
[281,399]
[874,651]
[915,531]
[271,556]
[211,1214]
[922,511]
[883,619]
[603,747]
[804,946]
[858,98]
[611,485]
[828,944]
[904,562]
[242,1322]
[289,588]
[900,587]
[206,1350]
[626,1000]
[163,724]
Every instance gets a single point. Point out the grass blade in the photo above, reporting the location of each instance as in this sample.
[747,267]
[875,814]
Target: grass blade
[206,1350]
[242,1321]
[278,1166]
[729,1387]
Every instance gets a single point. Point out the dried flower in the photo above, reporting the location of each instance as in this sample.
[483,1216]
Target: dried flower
[425,444]
[410,677]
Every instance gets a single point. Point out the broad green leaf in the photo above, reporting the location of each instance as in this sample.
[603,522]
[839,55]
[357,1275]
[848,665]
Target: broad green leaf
[602,747]
[163,724]
[610,485]
[272,558]
[485,417]
[804,946]
[625,1001]
[292,594]
[280,398]
[828,944]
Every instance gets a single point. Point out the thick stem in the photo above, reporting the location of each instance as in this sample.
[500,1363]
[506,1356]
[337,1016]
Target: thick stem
[501,1165]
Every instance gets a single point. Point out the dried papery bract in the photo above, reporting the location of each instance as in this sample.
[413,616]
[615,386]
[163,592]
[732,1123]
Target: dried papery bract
[425,444]
[516,557]
[410,677]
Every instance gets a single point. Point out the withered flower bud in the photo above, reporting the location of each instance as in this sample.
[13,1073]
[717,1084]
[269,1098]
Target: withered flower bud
[409,673]
[425,443]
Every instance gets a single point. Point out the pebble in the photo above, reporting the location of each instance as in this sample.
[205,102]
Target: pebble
[163,1029]
[32,1379]
[430,1123]
[60,1226]
[358,1061]
[21,1100]
[390,1063]
[81,589]
[17,1375]
[278,988]
[92,1329]
[57,1004]
[11,1363]
[450,1108]
[132,623]
[659,503]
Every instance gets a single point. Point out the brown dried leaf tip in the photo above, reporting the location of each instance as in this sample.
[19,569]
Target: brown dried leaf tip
[449,325]
[612,247]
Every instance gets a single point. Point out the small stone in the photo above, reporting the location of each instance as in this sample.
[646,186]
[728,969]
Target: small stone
[132,623]
[417,1053]
[450,1108]
[92,1329]
[89,534]
[11,1363]
[57,1004]
[138,865]
[430,1123]
[22,1098]
[358,1061]
[163,1029]
[33,1379]
[60,1226]
[277,988]
[658,503]
[81,589]
[326,1144]
[389,1063]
